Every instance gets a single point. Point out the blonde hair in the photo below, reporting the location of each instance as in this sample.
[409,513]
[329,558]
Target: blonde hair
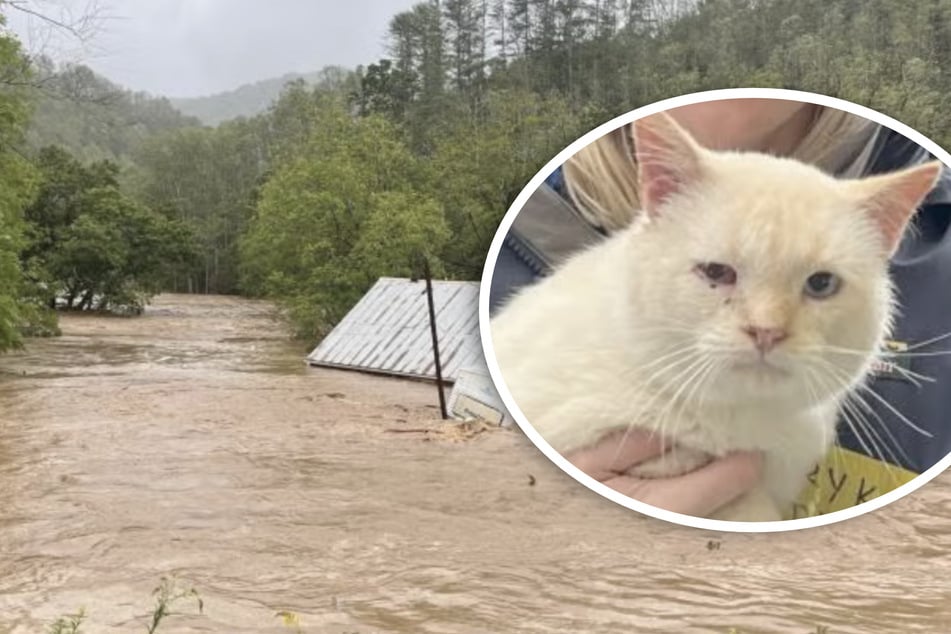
[601,178]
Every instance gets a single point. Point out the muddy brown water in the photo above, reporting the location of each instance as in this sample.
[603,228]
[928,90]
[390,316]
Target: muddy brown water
[194,442]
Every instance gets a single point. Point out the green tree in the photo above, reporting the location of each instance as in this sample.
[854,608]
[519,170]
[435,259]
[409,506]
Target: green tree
[311,242]
[94,246]
[205,178]
[481,164]
[18,308]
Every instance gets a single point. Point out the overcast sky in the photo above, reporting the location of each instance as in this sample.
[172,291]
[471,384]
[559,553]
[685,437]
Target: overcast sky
[184,48]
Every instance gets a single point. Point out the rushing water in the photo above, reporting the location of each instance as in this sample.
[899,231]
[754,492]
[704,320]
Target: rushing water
[194,442]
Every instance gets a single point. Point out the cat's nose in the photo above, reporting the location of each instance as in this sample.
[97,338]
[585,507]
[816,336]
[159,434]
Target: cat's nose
[766,339]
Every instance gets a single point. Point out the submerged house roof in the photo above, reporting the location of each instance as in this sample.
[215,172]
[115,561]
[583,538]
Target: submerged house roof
[388,331]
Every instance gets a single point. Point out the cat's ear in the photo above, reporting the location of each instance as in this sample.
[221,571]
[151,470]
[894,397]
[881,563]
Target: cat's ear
[892,199]
[668,160]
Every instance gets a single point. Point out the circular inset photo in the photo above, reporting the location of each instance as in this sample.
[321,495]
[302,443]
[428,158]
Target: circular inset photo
[731,310]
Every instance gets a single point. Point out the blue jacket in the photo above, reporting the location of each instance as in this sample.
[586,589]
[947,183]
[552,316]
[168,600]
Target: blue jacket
[921,270]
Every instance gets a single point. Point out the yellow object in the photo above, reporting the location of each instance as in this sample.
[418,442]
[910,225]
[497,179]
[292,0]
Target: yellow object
[290,619]
[845,479]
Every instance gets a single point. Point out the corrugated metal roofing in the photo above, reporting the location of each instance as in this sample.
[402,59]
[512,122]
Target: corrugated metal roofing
[388,330]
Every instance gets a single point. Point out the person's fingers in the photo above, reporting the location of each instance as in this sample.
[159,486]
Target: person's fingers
[700,492]
[617,452]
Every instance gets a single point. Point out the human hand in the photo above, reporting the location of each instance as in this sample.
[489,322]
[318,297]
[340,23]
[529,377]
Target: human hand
[700,492]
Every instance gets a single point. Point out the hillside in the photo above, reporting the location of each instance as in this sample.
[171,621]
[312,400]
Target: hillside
[93,118]
[250,99]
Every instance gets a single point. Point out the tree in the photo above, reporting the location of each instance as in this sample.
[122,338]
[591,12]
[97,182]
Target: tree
[18,309]
[311,242]
[93,246]
[205,179]
[480,165]
[387,90]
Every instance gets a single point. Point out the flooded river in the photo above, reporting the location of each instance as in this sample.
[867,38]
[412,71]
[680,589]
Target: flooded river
[194,442]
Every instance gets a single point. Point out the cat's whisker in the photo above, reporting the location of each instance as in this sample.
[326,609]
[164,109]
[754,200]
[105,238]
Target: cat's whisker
[689,348]
[702,385]
[696,361]
[914,377]
[881,353]
[857,396]
[669,322]
[928,342]
[849,414]
[822,378]
[672,401]
[670,409]
[895,446]
[695,365]
[671,362]
[698,384]
[691,361]
[880,447]
[894,411]
[816,401]
[862,423]
[666,327]
[915,355]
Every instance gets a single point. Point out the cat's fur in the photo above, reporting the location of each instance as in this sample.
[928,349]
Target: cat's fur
[617,336]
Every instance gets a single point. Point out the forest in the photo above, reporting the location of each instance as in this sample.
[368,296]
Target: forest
[109,197]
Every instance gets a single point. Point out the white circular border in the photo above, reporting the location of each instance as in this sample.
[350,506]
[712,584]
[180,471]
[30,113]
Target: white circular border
[558,459]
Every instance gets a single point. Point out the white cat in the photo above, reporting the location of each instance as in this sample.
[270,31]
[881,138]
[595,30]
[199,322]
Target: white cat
[733,314]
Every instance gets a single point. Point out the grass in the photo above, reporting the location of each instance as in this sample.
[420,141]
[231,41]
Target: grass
[167,595]
[68,624]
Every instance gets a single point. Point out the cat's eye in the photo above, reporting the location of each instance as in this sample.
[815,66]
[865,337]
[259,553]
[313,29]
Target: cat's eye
[822,285]
[717,273]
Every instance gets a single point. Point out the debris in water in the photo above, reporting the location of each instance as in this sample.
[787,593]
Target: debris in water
[456,432]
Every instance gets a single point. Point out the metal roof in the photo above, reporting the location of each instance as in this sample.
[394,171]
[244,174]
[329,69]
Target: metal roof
[388,331]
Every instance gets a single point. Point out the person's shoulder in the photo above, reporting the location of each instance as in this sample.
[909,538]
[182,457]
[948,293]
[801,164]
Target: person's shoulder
[894,151]
[556,182]
[941,194]
[546,231]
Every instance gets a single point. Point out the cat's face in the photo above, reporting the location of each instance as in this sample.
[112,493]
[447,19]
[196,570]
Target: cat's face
[772,271]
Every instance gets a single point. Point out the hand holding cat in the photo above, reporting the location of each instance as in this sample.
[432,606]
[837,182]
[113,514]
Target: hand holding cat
[699,493]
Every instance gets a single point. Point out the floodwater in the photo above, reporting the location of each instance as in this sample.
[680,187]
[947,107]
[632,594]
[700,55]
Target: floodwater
[194,442]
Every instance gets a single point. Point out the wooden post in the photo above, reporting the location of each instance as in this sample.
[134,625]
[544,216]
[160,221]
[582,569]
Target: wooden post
[432,330]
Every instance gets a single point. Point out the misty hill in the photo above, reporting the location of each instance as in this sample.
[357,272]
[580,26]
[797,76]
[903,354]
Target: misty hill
[93,118]
[250,99]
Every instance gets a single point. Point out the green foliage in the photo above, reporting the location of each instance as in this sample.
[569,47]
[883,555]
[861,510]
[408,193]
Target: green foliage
[400,228]
[205,179]
[480,164]
[168,594]
[92,118]
[94,246]
[475,128]
[349,188]
[18,186]
[350,176]
[385,90]
[350,198]
[69,624]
